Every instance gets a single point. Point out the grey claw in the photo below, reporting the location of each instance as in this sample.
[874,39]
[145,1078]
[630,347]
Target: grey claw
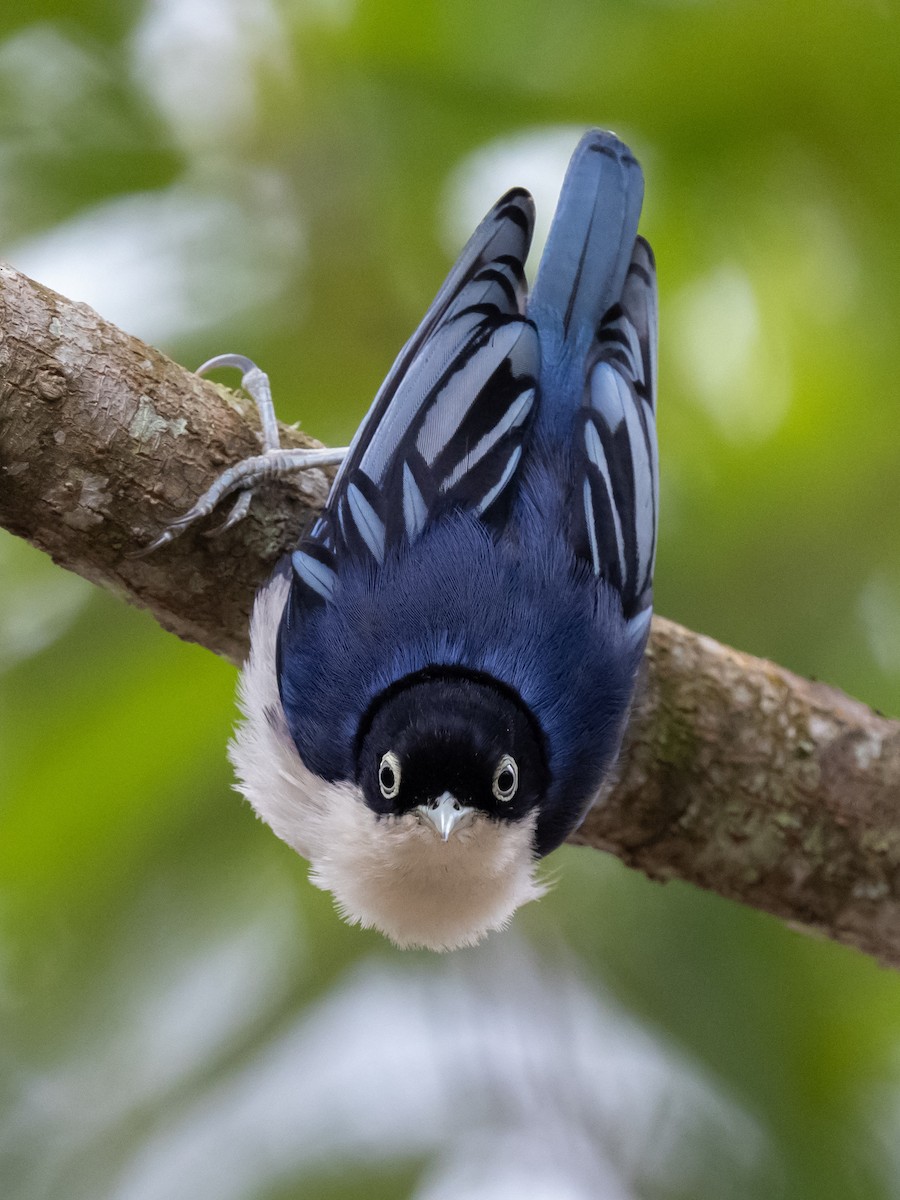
[176,527]
[239,510]
[239,361]
[168,535]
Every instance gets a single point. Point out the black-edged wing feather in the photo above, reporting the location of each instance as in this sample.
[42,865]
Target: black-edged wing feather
[617,481]
[446,427]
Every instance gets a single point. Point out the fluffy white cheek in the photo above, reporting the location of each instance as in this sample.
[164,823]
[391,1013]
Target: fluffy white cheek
[393,874]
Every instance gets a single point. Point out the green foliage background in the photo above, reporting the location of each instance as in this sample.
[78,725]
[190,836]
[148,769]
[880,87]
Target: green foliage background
[290,180]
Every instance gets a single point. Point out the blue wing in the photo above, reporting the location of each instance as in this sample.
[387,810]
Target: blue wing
[447,425]
[617,490]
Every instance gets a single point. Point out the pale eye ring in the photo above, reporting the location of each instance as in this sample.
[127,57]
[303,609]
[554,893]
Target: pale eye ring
[506,778]
[389,775]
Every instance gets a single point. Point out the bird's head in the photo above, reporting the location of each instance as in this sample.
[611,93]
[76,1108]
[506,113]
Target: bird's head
[439,848]
[452,749]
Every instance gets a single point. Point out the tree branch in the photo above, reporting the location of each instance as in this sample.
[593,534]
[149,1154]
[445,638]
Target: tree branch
[736,775]
[103,440]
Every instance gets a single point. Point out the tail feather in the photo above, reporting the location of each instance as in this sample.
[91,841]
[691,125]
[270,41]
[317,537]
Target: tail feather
[589,248]
[594,306]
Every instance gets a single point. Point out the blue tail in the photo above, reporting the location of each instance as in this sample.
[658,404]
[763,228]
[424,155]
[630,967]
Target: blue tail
[594,308]
[585,261]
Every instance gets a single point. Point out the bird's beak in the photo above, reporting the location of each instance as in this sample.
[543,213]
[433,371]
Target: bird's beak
[445,814]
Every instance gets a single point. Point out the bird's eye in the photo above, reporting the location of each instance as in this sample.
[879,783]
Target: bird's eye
[506,778]
[389,775]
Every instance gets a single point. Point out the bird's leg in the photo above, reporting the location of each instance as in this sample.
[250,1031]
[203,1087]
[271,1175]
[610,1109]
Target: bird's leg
[243,477]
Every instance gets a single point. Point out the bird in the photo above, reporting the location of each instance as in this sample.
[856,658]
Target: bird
[441,673]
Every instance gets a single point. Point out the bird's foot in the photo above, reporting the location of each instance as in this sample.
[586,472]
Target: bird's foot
[245,476]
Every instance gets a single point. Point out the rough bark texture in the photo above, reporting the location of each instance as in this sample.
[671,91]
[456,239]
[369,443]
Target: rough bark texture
[746,779]
[103,440]
[736,774]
